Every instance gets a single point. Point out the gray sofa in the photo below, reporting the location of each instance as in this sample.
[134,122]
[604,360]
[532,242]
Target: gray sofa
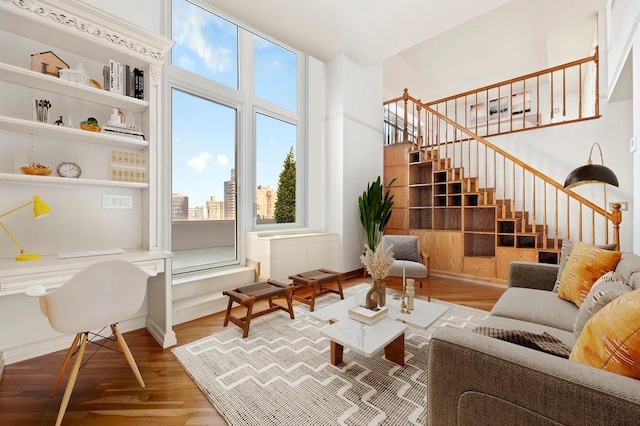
[476,380]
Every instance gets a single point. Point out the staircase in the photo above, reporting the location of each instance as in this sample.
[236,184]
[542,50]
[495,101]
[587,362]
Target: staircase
[474,206]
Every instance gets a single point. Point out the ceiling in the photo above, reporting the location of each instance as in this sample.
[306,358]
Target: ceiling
[441,47]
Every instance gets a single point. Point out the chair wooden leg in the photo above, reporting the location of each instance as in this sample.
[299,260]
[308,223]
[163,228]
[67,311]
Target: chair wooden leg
[289,297]
[65,363]
[72,380]
[314,291]
[127,354]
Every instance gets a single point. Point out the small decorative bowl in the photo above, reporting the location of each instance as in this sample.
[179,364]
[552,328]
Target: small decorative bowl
[36,169]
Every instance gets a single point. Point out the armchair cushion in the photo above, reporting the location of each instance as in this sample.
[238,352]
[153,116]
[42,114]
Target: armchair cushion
[405,247]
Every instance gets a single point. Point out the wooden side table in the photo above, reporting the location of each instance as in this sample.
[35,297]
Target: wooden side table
[316,280]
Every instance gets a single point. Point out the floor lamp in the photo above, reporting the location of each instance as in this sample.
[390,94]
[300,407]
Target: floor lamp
[596,173]
[40,209]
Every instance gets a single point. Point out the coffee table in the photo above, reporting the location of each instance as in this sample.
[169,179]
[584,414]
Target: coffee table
[367,340]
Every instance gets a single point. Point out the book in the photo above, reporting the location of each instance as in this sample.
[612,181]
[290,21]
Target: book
[106,78]
[368,315]
[127,80]
[138,83]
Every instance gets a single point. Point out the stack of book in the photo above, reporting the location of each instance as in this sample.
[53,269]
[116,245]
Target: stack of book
[123,130]
[368,315]
[123,80]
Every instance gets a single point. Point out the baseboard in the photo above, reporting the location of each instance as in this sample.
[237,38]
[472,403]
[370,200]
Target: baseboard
[197,307]
[494,282]
[54,344]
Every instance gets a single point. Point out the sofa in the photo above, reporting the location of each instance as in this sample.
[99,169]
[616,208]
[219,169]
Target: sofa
[474,379]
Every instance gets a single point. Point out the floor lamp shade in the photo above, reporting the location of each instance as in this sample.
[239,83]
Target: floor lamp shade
[590,173]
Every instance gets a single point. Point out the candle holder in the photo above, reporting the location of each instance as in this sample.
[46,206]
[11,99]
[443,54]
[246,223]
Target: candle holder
[403,304]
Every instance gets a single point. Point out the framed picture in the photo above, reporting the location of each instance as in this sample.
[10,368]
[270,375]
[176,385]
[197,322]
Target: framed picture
[500,109]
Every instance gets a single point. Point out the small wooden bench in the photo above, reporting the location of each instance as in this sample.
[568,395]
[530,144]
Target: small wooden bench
[315,280]
[249,294]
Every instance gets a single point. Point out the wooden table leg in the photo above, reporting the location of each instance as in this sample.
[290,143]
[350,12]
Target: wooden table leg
[394,351]
[336,352]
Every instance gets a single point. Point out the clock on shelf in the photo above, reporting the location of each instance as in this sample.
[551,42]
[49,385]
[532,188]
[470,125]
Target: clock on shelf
[68,169]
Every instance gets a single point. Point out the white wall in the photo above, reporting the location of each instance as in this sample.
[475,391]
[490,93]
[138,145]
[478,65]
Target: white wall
[148,14]
[354,150]
[636,134]
[622,21]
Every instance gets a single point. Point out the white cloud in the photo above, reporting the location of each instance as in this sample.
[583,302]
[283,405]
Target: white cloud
[222,160]
[189,30]
[199,163]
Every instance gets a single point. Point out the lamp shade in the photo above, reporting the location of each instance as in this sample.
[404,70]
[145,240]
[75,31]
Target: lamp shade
[591,173]
[40,208]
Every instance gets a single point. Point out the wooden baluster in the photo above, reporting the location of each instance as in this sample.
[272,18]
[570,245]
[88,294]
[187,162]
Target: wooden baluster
[579,91]
[596,59]
[544,213]
[504,187]
[511,107]
[524,192]
[524,102]
[555,220]
[593,226]
[564,92]
[551,95]
[538,101]
[568,215]
[580,223]
[513,191]
[533,209]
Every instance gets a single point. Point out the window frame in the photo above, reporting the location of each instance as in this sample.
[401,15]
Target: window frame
[247,105]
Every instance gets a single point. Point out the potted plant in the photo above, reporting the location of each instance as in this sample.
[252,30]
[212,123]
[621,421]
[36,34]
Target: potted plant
[375,210]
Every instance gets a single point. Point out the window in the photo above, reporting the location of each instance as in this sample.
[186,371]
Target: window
[236,101]
[205,44]
[276,141]
[203,187]
[275,70]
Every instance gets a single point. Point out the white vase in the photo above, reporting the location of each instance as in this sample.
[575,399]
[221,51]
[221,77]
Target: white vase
[411,291]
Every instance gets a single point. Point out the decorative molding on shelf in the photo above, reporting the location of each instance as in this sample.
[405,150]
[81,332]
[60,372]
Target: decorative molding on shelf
[102,26]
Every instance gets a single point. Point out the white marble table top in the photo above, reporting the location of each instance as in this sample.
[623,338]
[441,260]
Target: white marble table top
[369,339]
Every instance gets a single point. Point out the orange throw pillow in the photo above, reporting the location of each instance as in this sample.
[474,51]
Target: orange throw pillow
[586,264]
[611,338]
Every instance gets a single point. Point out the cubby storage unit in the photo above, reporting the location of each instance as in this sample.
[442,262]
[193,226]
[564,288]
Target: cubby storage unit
[462,226]
[79,224]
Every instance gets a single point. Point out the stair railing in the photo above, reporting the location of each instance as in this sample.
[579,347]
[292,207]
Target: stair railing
[536,202]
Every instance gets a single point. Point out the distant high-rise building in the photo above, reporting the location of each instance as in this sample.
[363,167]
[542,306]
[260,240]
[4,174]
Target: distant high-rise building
[230,196]
[265,202]
[197,213]
[179,206]
[215,209]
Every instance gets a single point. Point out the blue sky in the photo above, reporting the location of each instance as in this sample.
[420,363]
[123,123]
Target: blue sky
[203,131]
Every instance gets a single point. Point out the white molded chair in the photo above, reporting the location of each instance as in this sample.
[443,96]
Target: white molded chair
[100,295]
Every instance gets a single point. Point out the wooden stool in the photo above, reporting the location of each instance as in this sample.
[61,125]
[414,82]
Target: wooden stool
[247,295]
[316,280]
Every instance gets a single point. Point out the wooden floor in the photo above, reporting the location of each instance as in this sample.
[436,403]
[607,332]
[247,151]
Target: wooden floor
[106,392]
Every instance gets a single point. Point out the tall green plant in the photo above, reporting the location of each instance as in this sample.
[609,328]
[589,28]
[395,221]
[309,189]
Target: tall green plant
[375,210]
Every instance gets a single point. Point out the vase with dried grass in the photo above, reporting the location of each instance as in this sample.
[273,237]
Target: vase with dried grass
[378,263]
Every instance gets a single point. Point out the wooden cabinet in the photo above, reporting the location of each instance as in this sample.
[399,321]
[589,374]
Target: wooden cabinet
[504,256]
[395,167]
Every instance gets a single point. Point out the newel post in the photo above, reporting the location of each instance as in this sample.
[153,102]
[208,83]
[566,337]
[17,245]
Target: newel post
[616,219]
[405,98]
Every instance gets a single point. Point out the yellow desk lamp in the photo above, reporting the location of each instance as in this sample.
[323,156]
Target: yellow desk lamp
[40,209]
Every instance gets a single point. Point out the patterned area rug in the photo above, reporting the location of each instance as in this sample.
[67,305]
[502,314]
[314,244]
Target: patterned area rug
[281,373]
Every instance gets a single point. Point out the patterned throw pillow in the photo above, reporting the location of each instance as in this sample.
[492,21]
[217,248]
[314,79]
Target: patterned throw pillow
[567,247]
[585,265]
[406,248]
[607,288]
[611,338]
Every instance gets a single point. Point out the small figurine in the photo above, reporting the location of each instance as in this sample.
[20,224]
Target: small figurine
[59,121]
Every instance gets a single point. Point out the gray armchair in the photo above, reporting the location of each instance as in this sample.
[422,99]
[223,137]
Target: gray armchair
[406,251]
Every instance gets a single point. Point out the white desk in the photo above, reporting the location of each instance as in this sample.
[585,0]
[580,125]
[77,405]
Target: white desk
[52,272]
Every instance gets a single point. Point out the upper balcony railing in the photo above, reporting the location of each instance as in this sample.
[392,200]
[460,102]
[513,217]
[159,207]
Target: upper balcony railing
[562,94]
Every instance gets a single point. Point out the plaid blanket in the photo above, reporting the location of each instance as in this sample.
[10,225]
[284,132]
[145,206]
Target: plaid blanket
[541,342]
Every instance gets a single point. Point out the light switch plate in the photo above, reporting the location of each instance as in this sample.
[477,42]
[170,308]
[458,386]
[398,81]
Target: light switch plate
[117,202]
